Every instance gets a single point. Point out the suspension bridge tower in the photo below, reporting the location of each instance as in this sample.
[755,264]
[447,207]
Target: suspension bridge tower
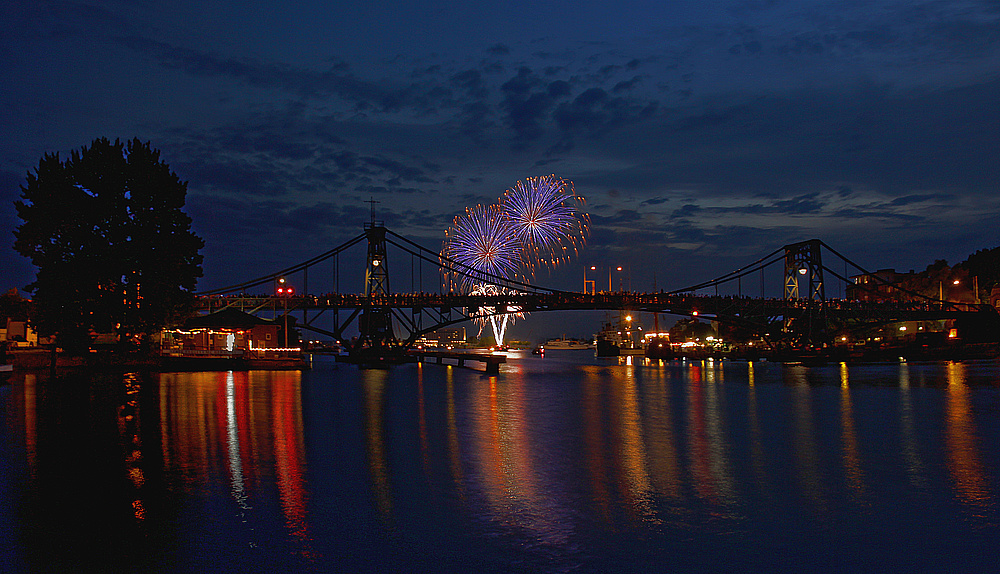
[804,281]
[376,341]
[804,271]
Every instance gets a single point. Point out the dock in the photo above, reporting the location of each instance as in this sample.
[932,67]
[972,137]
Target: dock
[491,361]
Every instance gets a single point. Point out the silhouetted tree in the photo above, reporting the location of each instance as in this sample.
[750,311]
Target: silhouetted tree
[14,307]
[985,265]
[113,249]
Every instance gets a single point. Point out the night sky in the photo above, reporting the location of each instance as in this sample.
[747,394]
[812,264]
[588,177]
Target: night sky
[703,135]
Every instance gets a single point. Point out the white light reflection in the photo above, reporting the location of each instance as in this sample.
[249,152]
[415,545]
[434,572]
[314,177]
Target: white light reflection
[232,433]
[911,450]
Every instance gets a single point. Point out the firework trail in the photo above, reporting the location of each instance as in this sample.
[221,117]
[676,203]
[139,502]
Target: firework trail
[489,315]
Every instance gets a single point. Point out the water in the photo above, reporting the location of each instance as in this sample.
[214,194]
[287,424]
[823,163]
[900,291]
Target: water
[562,464]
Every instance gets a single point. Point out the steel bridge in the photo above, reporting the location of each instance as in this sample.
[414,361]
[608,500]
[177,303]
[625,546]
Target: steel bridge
[389,322]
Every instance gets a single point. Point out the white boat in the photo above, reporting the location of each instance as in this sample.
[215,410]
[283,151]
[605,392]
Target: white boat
[566,345]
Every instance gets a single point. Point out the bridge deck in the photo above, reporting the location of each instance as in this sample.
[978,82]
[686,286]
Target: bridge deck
[682,304]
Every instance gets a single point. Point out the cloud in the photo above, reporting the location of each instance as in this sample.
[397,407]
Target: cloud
[308,83]
[594,112]
[238,175]
[526,109]
[922,198]
[686,211]
[622,216]
[656,201]
[859,214]
[626,85]
[802,204]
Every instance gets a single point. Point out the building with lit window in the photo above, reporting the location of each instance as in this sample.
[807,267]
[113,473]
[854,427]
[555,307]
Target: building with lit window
[226,332]
[878,286]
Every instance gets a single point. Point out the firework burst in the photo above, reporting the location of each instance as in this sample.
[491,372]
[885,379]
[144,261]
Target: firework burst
[538,222]
[483,241]
[544,213]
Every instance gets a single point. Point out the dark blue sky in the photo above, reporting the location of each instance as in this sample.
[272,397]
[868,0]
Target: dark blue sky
[702,134]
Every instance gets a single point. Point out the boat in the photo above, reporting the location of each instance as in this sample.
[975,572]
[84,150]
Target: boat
[607,342]
[566,345]
[615,341]
[659,348]
[658,343]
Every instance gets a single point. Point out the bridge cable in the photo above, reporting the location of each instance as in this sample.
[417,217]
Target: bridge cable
[294,268]
[952,304]
[464,269]
[741,272]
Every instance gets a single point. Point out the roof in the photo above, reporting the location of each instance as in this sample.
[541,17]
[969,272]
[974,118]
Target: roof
[228,317]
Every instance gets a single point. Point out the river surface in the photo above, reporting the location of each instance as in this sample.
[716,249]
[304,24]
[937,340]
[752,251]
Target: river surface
[565,463]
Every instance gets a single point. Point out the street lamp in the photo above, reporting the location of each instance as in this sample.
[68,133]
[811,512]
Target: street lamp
[586,282]
[285,292]
[609,276]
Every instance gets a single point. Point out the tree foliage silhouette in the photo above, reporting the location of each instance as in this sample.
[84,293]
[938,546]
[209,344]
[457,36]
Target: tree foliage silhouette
[113,249]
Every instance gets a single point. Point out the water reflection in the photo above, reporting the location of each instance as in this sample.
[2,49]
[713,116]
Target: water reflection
[524,465]
[239,425]
[664,463]
[454,451]
[30,405]
[719,443]
[374,383]
[237,486]
[595,452]
[849,438]
[131,440]
[707,445]
[757,457]
[911,453]
[289,452]
[807,450]
[422,422]
[960,431]
[634,478]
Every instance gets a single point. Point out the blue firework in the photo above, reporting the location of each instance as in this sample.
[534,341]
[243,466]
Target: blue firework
[484,241]
[543,212]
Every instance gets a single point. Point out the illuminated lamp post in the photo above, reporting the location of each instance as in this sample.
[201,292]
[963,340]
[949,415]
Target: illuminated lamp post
[285,292]
[609,276]
[586,282]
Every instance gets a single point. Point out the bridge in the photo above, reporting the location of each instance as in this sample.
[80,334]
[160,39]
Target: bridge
[390,322]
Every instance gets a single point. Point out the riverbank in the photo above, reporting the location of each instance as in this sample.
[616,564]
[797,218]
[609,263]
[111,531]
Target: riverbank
[44,359]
